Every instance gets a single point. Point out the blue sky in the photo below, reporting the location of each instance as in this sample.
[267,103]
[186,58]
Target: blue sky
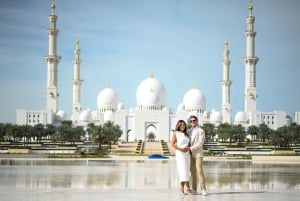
[123,41]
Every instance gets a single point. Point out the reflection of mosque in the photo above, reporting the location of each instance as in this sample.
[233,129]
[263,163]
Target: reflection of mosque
[151,119]
[220,175]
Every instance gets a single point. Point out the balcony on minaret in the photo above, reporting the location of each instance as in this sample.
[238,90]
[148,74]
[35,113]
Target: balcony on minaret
[53,95]
[252,96]
[227,109]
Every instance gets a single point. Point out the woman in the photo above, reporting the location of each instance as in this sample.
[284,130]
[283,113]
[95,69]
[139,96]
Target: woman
[180,142]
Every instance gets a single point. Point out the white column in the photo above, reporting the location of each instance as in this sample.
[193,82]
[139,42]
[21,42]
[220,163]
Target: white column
[226,83]
[52,60]
[250,61]
[76,107]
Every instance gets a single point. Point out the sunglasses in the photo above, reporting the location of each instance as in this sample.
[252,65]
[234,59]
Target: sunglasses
[193,120]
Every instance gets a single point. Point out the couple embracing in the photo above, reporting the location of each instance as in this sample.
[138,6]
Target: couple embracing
[189,155]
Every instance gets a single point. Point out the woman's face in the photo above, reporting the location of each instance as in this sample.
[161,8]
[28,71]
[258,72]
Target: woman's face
[181,126]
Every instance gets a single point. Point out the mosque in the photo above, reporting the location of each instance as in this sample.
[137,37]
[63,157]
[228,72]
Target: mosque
[151,119]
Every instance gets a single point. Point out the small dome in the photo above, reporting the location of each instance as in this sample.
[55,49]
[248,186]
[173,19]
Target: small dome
[180,107]
[61,115]
[151,92]
[85,115]
[240,117]
[205,114]
[107,98]
[194,98]
[120,106]
[216,116]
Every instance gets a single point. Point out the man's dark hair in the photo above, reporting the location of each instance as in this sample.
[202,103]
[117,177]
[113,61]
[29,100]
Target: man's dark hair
[193,116]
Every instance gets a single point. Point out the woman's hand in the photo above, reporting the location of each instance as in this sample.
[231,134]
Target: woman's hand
[185,149]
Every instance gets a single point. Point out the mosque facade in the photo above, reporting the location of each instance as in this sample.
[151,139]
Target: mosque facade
[151,119]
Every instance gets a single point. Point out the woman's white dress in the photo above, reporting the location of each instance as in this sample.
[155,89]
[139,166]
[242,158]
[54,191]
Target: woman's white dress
[183,159]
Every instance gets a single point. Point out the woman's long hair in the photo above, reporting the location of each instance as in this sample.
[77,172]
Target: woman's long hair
[177,128]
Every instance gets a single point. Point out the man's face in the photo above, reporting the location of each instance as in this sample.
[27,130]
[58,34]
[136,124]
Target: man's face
[193,121]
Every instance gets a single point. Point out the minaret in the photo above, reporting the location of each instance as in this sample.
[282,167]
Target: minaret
[76,108]
[250,61]
[226,110]
[52,60]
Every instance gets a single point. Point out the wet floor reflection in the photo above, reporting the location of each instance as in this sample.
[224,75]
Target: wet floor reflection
[147,174]
[237,175]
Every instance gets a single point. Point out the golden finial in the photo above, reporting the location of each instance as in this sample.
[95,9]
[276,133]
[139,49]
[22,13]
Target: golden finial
[53,6]
[250,7]
[77,43]
[151,75]
[226,43]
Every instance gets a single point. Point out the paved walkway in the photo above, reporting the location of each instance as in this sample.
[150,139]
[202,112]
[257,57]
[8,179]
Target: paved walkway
[26,192]
[141,195]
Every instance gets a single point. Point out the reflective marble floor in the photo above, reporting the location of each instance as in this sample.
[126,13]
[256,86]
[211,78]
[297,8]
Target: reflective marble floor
[142,180]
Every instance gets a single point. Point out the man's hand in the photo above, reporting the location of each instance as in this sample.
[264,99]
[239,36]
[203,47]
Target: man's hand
[186,149]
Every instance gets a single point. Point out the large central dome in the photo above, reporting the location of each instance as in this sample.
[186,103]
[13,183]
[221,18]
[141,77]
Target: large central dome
[107,98]
[194,98]
[151,92]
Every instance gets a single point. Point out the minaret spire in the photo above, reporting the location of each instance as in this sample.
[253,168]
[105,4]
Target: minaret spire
[226,83]
[53,8]
[250,61]
[76,108]
[52,60]
[250,8]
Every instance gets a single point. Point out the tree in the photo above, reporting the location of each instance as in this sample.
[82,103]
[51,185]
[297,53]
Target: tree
[253,132]
[64,132]
[106,133]
[286,136]
[2,131]
[13,132]
[50,130]
[295,131]
[264,132]
[224,131]
[210,131]
[96,133]
[27,132]
[39,131]
[275,138]
[77,133]
[112,132]
[238,133]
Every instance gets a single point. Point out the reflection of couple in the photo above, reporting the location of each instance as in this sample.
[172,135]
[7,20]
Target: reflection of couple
[189,155]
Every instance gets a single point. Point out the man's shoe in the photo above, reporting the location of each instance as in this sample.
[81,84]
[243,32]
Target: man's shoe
[194,192]
[204,193]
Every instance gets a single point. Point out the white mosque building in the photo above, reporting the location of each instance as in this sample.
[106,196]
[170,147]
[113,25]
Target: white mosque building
[151,118]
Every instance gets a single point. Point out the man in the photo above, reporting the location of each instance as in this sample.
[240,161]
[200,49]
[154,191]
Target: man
[197,137]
